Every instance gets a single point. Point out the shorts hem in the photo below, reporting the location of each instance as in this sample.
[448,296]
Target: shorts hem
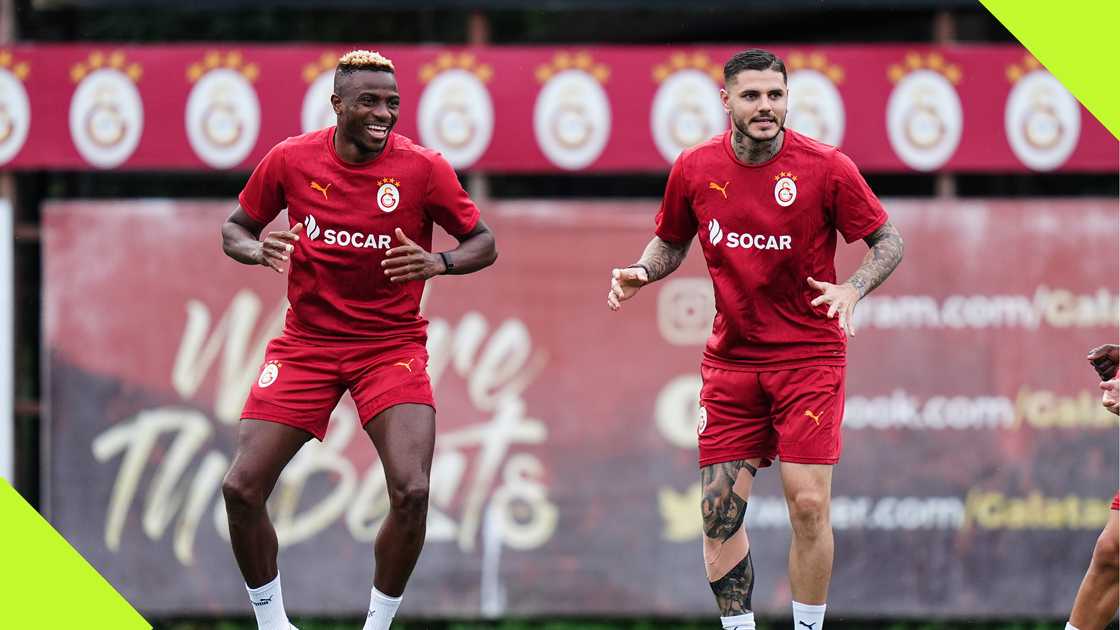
[831,461]
[393,402]
[722,458]
[280,419]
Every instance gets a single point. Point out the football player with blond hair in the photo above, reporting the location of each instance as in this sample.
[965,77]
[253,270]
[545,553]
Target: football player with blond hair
[361,201]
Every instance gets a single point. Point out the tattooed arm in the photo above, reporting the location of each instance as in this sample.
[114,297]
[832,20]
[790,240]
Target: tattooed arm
[884,255]
[659,259]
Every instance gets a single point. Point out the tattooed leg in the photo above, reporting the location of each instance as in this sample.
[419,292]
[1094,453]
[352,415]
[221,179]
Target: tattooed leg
[727,556]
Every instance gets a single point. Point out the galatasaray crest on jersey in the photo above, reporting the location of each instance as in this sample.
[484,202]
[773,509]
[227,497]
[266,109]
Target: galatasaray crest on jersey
[785,189]
[388,194]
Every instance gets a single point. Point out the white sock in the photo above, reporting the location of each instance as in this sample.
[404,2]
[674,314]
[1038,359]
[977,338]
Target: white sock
[268,606]
[808,616]
[1070,626]
[744,621]
[382,609]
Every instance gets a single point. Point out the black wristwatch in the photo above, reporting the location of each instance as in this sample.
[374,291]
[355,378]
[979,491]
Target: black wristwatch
[447,264]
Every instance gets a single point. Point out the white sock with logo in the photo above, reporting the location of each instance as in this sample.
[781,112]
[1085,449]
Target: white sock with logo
[268,606]
[739,622]
[1070,626]
[808,616]
[382,609]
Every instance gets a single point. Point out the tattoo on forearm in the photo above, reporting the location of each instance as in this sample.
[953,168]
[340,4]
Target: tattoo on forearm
[885,254]
[733,591]
[662,258]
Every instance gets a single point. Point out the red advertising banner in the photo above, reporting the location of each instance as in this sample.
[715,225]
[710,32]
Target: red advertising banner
[893,108]
[977,469]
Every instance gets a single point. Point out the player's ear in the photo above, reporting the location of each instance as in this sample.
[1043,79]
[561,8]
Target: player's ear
[336,104]
[723,97]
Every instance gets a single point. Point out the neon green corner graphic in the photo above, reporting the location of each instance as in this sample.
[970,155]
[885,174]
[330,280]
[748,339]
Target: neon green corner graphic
[45,583]
[1078,44]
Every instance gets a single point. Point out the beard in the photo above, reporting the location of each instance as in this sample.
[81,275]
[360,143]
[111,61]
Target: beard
[780,125]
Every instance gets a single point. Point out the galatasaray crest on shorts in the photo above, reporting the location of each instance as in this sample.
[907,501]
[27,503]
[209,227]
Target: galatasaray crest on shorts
[1041,118]
[572,116]
[456,115]
[815,106]
[106,113]
[686,109]
[785,189]
[388,194]
[701,420]
[317,111]
[15,108]
[269,374]
[924,111]
[223,112]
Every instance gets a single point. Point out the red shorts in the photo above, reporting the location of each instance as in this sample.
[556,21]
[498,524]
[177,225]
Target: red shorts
[1116,501]
[300,384]
[793,414]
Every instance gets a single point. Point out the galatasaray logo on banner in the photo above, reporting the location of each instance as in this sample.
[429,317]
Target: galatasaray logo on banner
[572,116]
[106,113]
[686,109]
[317,111]
[223,113]
[456,115]
[924,111]
[15,108]
[1042,119]
[815,106]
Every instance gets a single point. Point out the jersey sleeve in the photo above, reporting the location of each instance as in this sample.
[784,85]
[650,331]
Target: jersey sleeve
[447,203]
[855,209]
[676,223]
[263,195]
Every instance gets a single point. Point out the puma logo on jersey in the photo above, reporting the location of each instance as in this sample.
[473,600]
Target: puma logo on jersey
[315,186]
[806,624]
[814,416]
[722,189]
[405,364]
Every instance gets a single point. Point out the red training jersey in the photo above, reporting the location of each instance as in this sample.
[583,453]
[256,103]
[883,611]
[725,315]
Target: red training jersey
[336,286]
[765,228]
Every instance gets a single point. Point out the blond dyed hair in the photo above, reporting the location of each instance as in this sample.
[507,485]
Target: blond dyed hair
[364,60]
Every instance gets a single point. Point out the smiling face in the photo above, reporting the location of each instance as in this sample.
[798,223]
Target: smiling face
[367,104]
[757,101]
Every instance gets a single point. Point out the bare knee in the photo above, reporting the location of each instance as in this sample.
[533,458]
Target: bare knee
[410,499]
[243,494]
[808,514]
[1106,552]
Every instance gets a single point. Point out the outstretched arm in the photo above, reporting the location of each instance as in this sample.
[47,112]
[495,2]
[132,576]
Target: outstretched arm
[659,259]
[883,256]
[409,261]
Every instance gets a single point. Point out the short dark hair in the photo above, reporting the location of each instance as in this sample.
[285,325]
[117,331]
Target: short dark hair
[753,59]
